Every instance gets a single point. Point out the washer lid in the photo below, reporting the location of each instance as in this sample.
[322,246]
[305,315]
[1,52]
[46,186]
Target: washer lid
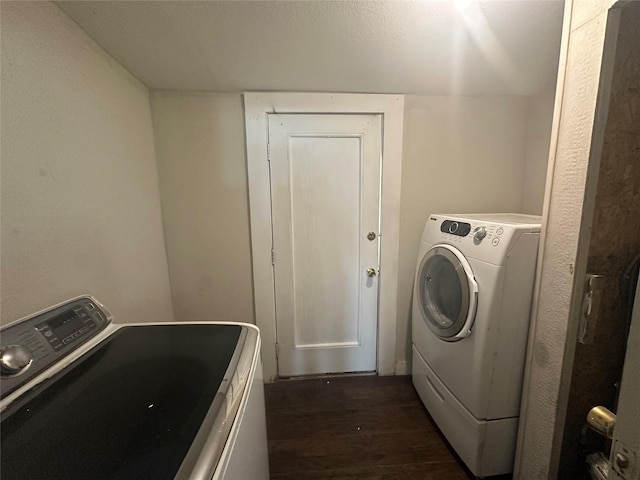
[139,405]
[447,292]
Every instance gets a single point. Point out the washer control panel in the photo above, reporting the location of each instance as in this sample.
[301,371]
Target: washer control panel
[38,341]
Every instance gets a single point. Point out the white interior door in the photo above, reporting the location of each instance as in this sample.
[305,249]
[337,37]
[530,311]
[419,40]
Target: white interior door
[325,192]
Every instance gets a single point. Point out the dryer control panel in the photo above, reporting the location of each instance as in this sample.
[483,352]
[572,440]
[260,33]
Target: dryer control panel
[486,237]
[476,231]
[38,341]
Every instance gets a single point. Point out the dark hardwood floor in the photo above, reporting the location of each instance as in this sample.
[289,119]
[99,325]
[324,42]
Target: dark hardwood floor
[355,427]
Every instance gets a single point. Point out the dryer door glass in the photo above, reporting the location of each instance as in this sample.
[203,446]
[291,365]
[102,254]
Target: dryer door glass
[444,291]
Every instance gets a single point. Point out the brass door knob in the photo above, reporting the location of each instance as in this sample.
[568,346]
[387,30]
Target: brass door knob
[371,272]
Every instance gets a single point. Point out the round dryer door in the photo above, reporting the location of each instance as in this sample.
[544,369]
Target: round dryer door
[448,292]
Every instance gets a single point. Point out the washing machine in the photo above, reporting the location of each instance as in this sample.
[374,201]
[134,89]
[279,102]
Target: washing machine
[470,320]
[84,398]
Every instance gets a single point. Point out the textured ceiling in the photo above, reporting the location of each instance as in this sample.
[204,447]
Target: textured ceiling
[426,47]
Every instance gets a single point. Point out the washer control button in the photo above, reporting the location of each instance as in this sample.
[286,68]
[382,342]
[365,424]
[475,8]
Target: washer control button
[500,231]
[495,241]
[15,359]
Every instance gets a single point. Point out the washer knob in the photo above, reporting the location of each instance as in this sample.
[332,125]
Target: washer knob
[479,233]
[14,359]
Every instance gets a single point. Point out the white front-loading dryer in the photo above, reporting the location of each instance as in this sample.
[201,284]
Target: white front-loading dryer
[471,306]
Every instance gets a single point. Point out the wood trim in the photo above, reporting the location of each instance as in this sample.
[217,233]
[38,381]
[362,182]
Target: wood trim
[256,106]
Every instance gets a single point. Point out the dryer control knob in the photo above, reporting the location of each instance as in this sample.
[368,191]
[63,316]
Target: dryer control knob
[14,359]
[479,233]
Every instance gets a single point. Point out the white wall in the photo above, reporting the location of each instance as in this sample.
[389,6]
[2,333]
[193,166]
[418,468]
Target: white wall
[203,179]
[537,151]
[80,195]
[80,207]
[461,155]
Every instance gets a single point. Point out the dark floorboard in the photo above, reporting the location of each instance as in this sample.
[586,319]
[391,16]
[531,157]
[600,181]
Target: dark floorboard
[355,427]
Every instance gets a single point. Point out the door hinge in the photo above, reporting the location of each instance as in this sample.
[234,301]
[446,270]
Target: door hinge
[277,351]
[273,258]
[268,152]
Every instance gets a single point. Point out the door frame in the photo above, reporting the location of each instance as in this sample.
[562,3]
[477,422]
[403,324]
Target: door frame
[257,105]
[580,114]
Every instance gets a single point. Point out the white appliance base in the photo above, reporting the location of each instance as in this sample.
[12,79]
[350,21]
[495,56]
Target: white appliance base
[487,447]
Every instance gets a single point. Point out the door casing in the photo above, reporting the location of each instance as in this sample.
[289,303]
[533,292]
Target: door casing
[256,106]
[585,73]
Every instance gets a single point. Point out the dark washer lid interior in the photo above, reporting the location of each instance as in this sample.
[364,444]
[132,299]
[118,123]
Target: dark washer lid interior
[129,410]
